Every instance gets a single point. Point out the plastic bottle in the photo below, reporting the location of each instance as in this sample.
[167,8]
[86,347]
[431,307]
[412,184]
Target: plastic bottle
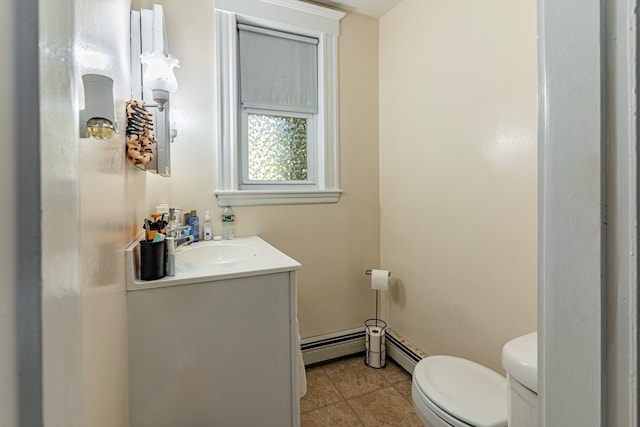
[194,223]
[207,226]
[228,223]
[171,257]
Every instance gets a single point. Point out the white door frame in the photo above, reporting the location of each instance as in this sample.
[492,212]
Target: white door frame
[21,381]
[587,262]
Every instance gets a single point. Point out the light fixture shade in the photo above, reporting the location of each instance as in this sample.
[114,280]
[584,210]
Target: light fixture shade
[159,71]
[98,117]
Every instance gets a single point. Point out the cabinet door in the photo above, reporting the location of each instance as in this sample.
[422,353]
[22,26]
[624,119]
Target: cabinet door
[212,354]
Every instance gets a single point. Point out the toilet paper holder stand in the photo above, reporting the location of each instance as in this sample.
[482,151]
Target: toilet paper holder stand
[375,355]
[368,273]
[375,337]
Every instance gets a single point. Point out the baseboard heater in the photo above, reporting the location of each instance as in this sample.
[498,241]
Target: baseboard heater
[403,353]
[332,346]
[323,348]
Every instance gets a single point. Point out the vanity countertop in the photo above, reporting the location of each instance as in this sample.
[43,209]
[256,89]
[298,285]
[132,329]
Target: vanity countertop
[265,260]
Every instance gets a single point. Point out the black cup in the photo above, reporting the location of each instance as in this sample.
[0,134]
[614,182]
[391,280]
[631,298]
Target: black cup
[151,260]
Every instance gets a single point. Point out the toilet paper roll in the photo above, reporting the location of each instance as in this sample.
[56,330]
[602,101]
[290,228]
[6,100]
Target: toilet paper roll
[376,340]
[376,360]
[375,347]
[379,280]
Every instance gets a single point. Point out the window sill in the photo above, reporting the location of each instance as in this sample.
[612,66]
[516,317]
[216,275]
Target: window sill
[276,197]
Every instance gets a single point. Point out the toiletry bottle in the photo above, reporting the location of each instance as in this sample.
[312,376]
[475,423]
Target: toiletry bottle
[228,223]
[194,223]
[207,226]
[175,216]
[171,257]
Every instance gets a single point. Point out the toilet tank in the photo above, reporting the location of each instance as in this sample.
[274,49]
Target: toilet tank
[520,360]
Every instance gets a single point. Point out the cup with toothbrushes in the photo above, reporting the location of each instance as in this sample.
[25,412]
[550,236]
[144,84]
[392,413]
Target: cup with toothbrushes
[153,250]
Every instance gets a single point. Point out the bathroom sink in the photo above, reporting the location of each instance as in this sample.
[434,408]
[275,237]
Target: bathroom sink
[213,253]
[520,360]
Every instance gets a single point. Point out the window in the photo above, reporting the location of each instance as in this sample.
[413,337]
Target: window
[277,102]
[278,105]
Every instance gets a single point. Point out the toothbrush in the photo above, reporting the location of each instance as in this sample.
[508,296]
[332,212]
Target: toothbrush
[147,228]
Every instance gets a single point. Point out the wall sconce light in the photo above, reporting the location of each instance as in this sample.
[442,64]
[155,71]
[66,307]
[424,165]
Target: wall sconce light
[178,119]
[173,131]
[98,117]
[159,76]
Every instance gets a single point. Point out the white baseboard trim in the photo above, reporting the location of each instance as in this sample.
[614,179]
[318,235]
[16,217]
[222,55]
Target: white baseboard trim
[345,343]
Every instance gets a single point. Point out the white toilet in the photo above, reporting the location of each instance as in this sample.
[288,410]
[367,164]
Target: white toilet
[448,391]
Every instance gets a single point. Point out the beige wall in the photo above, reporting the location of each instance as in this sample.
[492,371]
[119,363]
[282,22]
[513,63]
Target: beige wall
[458,173]
[335,243]
[112,207]
[61,286]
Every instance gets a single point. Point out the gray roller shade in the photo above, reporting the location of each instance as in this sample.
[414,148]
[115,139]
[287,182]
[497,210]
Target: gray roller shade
[278,71]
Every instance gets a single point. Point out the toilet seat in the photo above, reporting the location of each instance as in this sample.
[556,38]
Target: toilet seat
[436,416]
[461,392]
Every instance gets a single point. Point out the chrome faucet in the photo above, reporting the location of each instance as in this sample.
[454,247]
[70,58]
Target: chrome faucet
[179,238]
[183,241]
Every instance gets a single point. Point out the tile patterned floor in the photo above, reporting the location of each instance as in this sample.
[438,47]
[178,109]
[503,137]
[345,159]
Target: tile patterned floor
[347,393]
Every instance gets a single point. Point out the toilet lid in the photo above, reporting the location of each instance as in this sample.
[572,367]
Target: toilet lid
[468,391]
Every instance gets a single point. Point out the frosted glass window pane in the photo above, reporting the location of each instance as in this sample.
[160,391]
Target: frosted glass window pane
[277,148]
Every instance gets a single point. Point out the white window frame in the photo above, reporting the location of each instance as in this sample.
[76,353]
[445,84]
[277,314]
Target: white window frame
[289,16]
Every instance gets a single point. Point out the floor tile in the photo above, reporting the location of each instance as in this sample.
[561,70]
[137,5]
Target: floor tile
[338,415]
[404,388]
[393,373]
[347,393]
[384,408]
[320,391]
[352,377]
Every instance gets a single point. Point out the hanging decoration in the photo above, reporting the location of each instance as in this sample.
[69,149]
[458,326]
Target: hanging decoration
[140,139]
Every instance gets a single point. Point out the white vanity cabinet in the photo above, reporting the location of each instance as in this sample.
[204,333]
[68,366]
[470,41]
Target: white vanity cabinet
[215,353]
